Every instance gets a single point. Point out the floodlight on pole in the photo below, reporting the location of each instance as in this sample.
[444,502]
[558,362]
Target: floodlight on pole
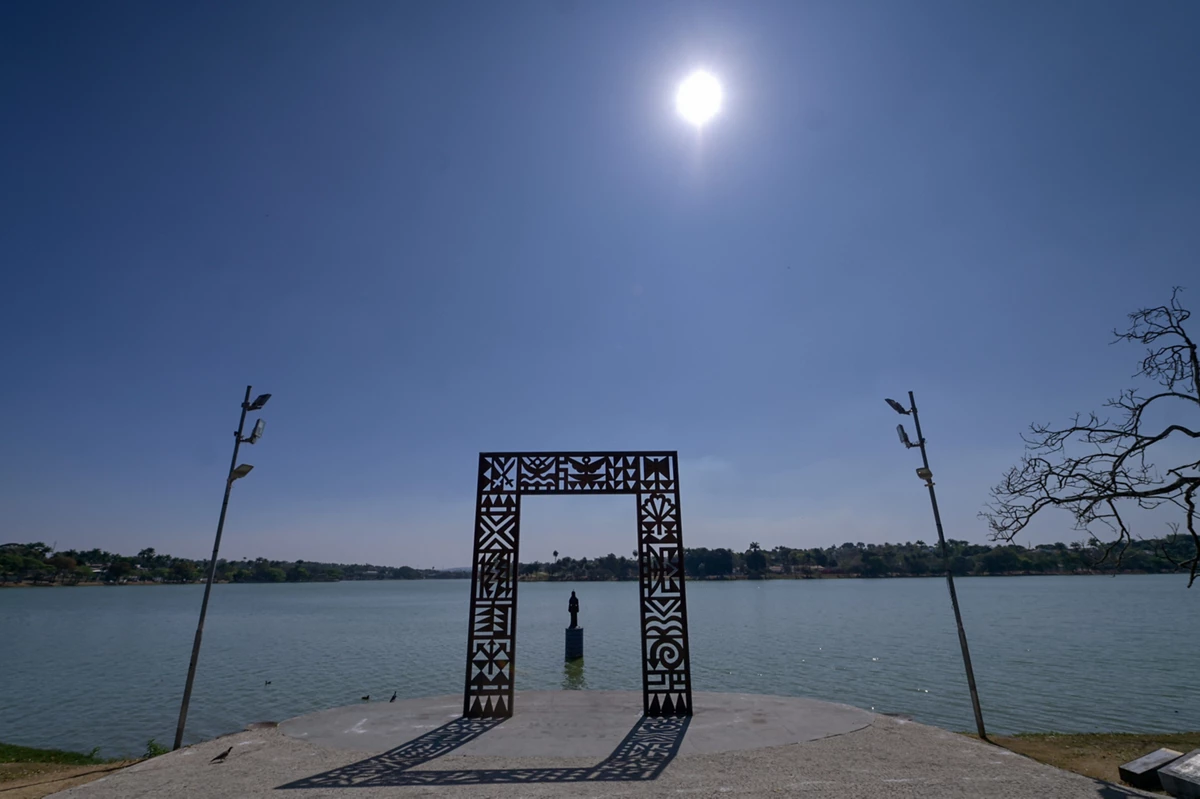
[235,472]
[256,434]
[926,474]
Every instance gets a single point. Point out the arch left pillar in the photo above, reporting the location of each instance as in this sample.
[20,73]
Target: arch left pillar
[491,641]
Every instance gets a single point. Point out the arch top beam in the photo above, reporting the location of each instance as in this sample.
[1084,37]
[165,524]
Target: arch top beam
[633,472]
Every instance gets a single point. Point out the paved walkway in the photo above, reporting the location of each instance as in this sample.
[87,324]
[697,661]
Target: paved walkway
[595,744]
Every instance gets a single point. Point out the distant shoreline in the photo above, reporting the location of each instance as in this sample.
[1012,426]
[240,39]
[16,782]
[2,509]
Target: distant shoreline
[36,564]
[545,579]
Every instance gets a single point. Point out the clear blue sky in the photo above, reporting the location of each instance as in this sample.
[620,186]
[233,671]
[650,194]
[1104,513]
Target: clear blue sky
[435,228]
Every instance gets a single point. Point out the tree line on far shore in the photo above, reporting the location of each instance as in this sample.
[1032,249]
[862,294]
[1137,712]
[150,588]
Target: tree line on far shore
[38,564]
[916,559]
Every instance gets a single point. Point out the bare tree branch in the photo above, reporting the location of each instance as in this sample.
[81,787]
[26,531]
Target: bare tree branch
[1097,468]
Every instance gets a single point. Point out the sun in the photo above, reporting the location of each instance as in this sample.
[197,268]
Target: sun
[699,98]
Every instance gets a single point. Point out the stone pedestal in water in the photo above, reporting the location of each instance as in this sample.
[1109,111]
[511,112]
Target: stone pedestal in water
[574,643]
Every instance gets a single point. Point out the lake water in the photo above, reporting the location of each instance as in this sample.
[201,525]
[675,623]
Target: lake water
[84,667]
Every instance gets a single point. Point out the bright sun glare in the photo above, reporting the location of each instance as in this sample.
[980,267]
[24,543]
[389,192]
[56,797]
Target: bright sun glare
[699,98]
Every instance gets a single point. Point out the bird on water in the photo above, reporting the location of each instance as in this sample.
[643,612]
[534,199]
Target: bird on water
[221,757]
[365,698]
[393,699]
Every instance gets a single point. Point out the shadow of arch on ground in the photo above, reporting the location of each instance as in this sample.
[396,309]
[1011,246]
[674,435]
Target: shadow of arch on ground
[641,756]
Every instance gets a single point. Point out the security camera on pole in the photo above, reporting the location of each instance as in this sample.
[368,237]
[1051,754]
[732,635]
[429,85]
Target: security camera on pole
[926,475]
[236,472]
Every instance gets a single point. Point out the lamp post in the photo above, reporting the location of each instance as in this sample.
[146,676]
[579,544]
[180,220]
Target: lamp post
[925,474]
[235,472]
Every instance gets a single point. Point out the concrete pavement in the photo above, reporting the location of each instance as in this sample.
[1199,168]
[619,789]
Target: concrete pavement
[580,724]
[594,744]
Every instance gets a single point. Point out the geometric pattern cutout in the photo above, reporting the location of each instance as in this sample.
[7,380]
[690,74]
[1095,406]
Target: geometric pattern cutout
[491,643]
[666,673]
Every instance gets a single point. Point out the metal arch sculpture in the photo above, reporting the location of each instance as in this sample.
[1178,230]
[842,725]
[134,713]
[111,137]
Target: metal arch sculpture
[653,477]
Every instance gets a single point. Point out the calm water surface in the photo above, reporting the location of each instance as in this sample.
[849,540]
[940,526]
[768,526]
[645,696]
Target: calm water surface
[84,667]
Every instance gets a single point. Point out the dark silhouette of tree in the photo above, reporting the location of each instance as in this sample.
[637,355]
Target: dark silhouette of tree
[38,550]
[704,562]
[63,563]
[1103,469]
[756,559]
[119,568]
[1001,560]
[184,571]
[873,564]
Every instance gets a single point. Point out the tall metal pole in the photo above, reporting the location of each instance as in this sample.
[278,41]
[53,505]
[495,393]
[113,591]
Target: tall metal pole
[962,634]
[212,573]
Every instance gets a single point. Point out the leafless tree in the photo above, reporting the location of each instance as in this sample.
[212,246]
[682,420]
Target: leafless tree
[1102,469]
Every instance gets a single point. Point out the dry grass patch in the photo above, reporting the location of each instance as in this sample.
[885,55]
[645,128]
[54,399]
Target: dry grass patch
[1096,755]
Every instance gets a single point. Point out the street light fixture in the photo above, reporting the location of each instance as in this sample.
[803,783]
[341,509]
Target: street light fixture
[924,473]
[256,434]
[235,473]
